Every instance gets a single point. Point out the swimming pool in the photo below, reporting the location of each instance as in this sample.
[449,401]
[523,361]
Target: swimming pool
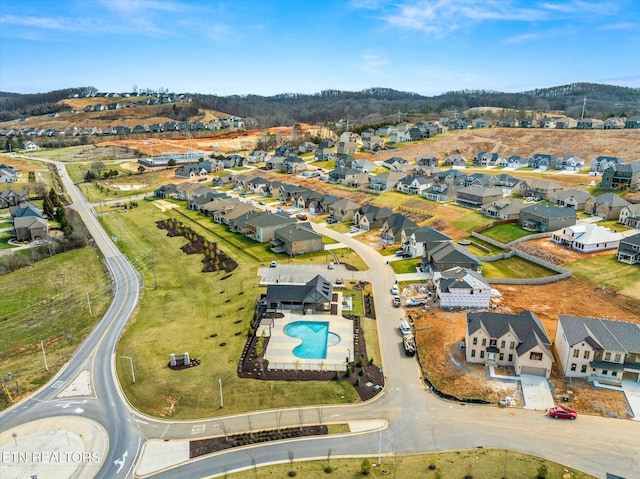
[315,337]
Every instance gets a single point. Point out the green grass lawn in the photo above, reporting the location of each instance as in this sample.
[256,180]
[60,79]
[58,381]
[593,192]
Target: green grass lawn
[391,199]
[514,267]
[183,313]
[471,221]
[505,233]
[480,252]
[4,240]
[613,225]
[607,271]
[49,301]
[477,463]
[404,266]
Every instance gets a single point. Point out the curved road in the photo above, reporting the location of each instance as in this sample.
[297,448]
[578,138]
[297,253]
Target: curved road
[417,421]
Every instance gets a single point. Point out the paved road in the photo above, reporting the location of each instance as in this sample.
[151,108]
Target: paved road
[418,421]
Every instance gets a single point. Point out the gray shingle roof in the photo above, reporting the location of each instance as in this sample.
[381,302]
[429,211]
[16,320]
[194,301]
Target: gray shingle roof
[610,335]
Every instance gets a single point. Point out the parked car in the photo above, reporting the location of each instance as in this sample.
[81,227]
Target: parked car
[331,265]
[301,216]
[396,301]
[339,281]
[395,290]
[273,264]
[559,412]
[354,229]
[261,202]
[330,220]
[409,344]
[399,253]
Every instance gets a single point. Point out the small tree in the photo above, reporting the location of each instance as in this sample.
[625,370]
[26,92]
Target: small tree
[171,162]
[141,169]
[543,471]
[365,467]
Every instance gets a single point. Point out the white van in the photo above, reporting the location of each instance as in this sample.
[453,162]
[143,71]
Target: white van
[404,327]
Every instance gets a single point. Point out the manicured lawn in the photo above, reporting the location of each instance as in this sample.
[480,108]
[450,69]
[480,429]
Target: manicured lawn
[613,225]
[514,267]
[505,233]
[471,221]
[183,313]
[50,302]
[478,463]
[4,239]
[608,272]
[391,199]
[404,266]
[479,251]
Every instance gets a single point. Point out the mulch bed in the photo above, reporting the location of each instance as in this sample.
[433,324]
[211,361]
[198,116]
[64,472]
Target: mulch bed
[250,367]
[201,447]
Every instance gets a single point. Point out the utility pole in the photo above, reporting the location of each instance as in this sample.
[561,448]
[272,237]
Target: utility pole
[584,104]
[153,267]
[44,356]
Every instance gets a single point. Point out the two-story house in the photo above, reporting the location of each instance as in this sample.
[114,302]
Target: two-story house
[516,340]
[462,288]
[630,216]
[538,189]
[544,218]
[598,349]
[621,176]
[629,250]
[477,197]
[370,217]
[607,206]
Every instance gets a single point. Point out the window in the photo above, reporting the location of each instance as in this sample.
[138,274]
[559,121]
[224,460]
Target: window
[493,342]
[605,372]
[573,366]
[576,353]
[535,356]
[502,344]
[617,358]
[475,341]
[473,353]
[481,354]
[607,356]
[614,373]
[511,358]
[512,345]
[583,368]
[586,354]
[501,357]
[484,341]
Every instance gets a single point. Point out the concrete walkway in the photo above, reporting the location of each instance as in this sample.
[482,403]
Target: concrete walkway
[632,393]
[60,447]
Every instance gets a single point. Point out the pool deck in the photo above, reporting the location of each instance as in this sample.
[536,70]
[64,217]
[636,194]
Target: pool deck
[279,351]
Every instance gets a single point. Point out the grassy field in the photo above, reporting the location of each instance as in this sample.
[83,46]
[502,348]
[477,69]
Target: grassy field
[607,271]
[49,301]
[185,312]
[514,267]
[479,464]
[471,221]
[480,252]
[505,233]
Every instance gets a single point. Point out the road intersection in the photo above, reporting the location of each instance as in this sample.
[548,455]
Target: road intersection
[412,419]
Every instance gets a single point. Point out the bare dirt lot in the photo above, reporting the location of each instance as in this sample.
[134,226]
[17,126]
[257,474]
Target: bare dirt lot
[587,144]
[438,332]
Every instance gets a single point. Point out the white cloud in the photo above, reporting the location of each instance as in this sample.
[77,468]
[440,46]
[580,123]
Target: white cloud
[372,63]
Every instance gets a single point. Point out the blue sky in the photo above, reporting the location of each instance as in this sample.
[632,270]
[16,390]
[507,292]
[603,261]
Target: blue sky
[267,47]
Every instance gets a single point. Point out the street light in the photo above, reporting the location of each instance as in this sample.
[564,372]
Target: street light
[133,375]
[44,356]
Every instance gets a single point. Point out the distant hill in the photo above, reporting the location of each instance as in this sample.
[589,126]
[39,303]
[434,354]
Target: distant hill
[370,106]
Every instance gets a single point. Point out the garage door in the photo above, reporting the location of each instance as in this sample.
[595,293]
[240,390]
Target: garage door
[533,371]
[633,376]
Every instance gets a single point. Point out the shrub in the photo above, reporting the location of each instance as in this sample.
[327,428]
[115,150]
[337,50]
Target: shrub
[348,372]
[336,376]
[542,472]
[361,372]
[365,467]
[360,362]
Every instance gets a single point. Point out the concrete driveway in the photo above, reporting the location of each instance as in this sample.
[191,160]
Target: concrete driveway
[632,393]
[536,392]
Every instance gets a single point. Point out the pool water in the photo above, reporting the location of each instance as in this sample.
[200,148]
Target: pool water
[315,338]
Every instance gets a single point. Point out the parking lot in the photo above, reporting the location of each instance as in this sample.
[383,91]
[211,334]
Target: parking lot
[284,273]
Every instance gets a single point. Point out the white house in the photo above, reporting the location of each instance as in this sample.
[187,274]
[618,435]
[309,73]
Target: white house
[598,349]
[587,237]
[462,288]
[29,146]
[516,340]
